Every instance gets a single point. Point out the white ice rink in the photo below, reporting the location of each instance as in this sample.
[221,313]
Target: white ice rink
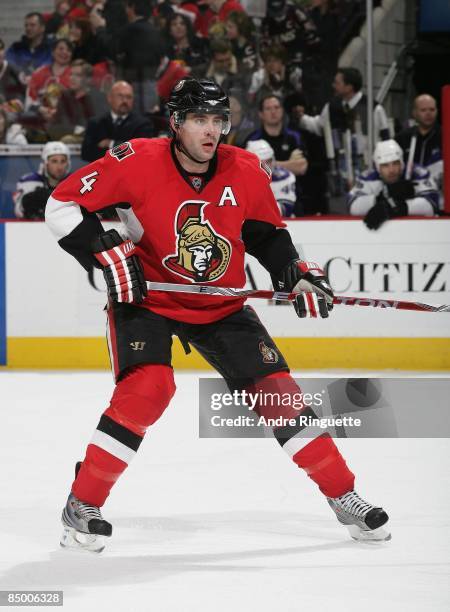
[216,525]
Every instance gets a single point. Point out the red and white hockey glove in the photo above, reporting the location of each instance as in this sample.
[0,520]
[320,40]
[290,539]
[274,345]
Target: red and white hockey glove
[317,296]
[122,268]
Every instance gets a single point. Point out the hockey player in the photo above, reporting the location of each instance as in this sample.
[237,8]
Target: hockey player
[195,206]
[283,181]
[33,189]
[388,192]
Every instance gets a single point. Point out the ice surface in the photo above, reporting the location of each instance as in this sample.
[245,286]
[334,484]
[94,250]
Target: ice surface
[209,524]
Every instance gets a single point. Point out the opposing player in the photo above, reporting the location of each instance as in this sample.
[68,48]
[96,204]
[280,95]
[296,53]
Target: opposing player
[283,181]
[389,191]
[33,189]
[195,207]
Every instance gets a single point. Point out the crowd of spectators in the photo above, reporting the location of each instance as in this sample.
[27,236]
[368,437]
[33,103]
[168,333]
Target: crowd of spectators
[99,72]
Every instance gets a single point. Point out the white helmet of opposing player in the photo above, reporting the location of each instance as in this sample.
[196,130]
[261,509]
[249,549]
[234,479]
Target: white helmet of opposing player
[387,151]
[55,148]
[261,148]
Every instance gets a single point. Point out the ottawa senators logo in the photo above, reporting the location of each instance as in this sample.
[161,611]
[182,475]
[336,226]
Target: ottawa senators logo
[122,150]
[202,254]
[269,354]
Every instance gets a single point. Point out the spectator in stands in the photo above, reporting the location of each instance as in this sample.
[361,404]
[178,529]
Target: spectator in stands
[118,125]
[389,191]
[283,181]
[86,45]
[56,23]
[317,82]
[183,45]
[223,67]
[165,9]
[33,50]
[218,11]
[77,104]
[45,89]
[241,124]
[288,25]
[240,32]
[276,76]
[343,124]
[108,22]
[140,51]
[33,190]
[285,142]
[12,91]
[422,144]
[10,133]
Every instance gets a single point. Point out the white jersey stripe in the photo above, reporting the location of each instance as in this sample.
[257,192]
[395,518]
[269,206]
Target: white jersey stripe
[112,446]
[302,439]
[62,217]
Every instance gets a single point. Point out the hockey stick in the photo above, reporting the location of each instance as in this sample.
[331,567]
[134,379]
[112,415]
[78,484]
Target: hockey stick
[290,297]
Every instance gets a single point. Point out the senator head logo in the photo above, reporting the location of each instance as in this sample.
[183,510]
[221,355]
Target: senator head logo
[201,253]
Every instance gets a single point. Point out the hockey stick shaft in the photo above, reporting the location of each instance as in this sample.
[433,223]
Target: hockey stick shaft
[344,300]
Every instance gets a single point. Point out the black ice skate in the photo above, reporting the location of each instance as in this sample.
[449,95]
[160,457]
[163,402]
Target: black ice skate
[84,526]
[364,521]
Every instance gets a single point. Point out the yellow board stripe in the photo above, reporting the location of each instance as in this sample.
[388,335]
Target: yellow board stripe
[300,353]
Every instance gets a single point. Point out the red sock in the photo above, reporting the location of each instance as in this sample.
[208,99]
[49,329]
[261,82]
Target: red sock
[98,472]
[325,465]
[139,399]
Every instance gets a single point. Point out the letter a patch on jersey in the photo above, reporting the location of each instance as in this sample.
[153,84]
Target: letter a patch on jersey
[122,151]
[227,198]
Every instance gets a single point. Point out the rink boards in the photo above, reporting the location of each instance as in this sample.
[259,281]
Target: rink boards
[51,312]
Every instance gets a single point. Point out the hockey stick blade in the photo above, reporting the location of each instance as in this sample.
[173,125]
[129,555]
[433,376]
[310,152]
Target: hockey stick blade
[341,300]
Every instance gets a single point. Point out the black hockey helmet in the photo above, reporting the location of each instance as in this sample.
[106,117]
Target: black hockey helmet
[199,95]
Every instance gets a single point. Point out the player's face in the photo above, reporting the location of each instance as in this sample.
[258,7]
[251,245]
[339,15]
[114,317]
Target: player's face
[391,172]
[57,166]
[200,134]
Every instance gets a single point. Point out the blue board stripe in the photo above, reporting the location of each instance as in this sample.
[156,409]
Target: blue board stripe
[2,296]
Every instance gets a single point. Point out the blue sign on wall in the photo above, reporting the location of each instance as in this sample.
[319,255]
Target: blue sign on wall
[2,296]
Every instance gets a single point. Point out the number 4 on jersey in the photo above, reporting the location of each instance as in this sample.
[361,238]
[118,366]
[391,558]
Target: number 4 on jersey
[88,181]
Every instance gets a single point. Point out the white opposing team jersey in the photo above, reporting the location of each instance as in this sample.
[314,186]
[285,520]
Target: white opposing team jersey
[369,185]
[26,184]
[283,188]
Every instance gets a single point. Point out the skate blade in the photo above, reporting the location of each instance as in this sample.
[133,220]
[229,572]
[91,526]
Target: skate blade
[76,540]
[371,536]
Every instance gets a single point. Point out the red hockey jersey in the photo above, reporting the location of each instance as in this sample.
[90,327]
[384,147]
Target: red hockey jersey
[182,234]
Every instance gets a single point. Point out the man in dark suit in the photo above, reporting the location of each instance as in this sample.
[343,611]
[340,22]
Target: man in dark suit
[116,126]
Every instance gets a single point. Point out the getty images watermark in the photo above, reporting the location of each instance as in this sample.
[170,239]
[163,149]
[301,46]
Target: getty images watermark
[268,409]
[407,407]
